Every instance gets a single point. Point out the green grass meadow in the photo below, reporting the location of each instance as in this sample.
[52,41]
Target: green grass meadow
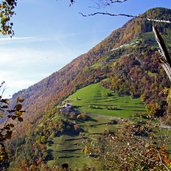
[95,99]
[107,106]
[68,148]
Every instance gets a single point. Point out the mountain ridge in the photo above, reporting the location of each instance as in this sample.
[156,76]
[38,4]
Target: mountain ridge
[117,86]
[49,92]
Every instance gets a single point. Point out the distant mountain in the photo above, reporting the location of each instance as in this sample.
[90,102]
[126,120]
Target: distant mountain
[126,61]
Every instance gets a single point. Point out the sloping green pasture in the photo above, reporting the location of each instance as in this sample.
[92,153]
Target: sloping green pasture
[95,99]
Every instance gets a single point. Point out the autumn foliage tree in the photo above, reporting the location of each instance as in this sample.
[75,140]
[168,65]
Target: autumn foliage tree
[132,147]
[9,115]
[6,12]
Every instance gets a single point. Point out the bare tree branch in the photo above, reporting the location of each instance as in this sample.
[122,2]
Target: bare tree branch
[72,2]
[165,60]
[109,2]
[162,45]
[107,13]
[104,3]
[124,15]
[158,21]
[114,1]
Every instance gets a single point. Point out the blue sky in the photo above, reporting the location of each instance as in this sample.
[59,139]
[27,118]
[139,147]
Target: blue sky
[50,34]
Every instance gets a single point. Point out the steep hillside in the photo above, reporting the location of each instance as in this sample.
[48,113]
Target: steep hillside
[135,49]
[119,78]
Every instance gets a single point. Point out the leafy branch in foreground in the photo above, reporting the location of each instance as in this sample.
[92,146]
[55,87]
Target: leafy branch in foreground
[6,12]
[8,116]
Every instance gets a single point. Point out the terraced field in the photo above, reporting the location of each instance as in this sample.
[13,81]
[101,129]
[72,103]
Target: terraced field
[69,148]
[103,106]
[95,99]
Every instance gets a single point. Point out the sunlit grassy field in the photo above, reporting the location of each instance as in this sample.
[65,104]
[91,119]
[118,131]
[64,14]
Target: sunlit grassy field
[69,148]
[103,106]
[95,99]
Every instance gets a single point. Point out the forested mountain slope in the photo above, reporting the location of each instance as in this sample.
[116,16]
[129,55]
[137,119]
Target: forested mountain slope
[126,61]
[119,78]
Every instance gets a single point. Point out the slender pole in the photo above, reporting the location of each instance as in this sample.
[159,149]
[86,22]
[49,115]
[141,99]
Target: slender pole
[165,59]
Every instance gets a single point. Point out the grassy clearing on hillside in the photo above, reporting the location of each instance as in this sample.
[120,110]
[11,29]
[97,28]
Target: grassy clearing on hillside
[68,148]
[95,99]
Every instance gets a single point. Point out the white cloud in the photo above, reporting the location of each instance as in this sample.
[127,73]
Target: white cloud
[9,39]
[60,37]
[24,64]
[26,60]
